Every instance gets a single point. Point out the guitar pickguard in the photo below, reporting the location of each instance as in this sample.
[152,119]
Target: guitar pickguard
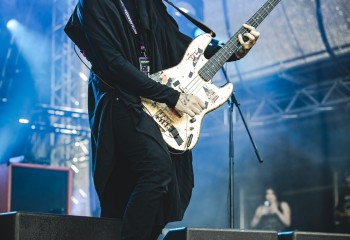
[181,132]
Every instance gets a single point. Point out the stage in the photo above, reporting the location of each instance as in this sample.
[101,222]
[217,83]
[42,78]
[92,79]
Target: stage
[34,226]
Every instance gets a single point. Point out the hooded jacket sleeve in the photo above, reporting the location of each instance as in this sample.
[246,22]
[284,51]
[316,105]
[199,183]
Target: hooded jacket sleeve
[101,26]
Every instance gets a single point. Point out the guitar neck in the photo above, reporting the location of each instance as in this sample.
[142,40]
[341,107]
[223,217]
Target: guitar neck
[214,64]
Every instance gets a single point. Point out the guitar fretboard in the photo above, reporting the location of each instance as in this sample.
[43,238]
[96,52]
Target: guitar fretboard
[214,64]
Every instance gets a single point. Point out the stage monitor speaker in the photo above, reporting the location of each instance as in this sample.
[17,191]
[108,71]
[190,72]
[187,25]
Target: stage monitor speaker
[218,234]
[33,226]
[312,236]
[35,188]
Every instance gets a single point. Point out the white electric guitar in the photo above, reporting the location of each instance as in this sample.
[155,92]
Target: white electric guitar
[193,75]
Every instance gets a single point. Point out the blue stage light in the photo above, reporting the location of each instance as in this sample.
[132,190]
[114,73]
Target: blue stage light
[23,120]
[12,24]
[193,8]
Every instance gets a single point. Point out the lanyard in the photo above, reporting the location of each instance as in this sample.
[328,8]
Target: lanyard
[133,26]
[127,14]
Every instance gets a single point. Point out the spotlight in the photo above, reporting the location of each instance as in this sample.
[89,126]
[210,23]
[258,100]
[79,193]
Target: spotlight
[82,193]
[74,168]
[194,8]
[34,48]
[83,76]
[183,9]
[23,120]
[74,200]
[12,24]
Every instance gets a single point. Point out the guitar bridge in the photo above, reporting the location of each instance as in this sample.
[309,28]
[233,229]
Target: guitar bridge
[167,125]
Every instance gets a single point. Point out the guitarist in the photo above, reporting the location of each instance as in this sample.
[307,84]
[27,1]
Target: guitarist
[137,178]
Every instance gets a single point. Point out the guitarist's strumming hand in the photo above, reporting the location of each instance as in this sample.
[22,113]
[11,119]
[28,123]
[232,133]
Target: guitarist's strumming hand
[189,104]
[252,37]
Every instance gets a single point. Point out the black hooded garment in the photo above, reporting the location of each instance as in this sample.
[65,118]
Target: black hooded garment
[101,30]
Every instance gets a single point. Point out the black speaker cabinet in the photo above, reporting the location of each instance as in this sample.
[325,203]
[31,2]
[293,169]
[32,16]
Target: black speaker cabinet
[35,188]
[43,226]
[218,234]
[312,236]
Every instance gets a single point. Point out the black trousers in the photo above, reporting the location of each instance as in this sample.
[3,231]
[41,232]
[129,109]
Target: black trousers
[136,188]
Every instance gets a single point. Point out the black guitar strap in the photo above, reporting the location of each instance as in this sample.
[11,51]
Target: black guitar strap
[196,22]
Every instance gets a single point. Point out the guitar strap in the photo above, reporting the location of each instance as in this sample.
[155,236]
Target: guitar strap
[196,22]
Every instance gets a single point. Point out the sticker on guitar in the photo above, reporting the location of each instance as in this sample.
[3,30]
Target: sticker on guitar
[193,75]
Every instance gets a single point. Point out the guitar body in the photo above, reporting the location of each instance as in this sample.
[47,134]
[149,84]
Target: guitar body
[181,132]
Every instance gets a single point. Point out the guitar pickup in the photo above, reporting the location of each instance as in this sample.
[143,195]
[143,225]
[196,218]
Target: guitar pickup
[175,134]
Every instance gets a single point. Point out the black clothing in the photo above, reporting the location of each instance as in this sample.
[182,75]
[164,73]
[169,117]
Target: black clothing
[102,31]
[135,176]
[271,222]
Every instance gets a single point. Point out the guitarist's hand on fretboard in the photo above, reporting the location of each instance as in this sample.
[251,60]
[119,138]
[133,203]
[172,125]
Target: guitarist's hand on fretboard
[189,104]
[251,37]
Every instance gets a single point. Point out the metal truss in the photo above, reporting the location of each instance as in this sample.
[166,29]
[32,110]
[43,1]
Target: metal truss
[310,99]
[68,74]
[65,123]
[61,137]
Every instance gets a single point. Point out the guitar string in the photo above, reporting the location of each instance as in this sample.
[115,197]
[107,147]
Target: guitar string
[196,82]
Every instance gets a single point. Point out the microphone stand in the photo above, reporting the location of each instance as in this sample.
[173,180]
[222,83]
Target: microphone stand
[233,101]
